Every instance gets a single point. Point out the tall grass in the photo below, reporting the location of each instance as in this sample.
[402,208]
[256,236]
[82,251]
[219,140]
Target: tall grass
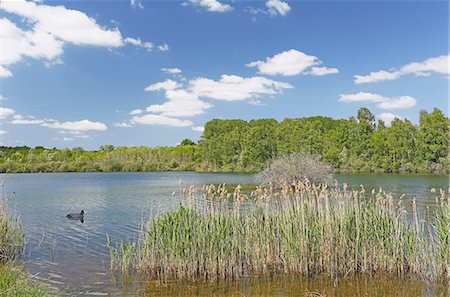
[14,280]
[299,228]
[12,236]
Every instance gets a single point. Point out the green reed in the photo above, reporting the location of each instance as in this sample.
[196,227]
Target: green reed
[12,236]
[14,280]
[299,228]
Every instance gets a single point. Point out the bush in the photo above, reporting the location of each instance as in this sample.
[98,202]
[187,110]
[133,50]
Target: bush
[296,167]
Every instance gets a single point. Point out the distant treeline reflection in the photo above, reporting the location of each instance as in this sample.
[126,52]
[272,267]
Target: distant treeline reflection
[350,145]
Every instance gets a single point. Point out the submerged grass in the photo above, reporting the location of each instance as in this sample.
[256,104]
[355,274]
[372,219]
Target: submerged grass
[298,228]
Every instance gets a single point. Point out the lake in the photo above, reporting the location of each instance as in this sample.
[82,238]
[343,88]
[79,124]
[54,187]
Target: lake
[73,256]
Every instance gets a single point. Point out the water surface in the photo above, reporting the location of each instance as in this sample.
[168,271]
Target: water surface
[73,256]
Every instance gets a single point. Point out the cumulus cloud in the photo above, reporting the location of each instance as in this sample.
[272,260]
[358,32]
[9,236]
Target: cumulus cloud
[136,112]
[47,30]
[6,112]
[236,88]
[425,68]
[81,126]
[389,103]
[152,119]
[276,7]
[212,5]
[291,62]
[272,8]
[186,98]
[168,84]
[180,104]
[3,132]
[198,129]
[171,70]
[388,117]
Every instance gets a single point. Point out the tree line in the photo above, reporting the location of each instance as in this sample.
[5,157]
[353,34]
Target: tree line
[357,144]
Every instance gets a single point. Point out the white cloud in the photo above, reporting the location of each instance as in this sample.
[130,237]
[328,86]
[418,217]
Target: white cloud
[136,4]
[163,47]
[138,42]
[168,84]
[171,70]
[382,102]
[319,71]
[151,119]
[6,112]
[277,7]
[212,5]
[48,29]
[133,41]
[21,121]
[289,63]
[3,132]
[122,125]
[68,25]
[184,98]
[388,117]
[234,88]
[198,129]
[425,68]
[83,125]
[136,112]
[180,104]
[4,72]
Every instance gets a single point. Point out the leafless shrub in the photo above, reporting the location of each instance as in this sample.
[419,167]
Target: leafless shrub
[296,167]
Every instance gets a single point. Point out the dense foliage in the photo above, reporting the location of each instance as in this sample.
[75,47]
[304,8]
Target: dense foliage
[351,145]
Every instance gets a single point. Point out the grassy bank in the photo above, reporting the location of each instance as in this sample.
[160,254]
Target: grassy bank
[14,280]
[299,228]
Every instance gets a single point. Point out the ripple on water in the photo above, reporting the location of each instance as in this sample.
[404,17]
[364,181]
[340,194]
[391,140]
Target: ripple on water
[74,256]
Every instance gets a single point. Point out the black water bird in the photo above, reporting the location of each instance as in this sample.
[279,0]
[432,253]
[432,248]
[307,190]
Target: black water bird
[76,216]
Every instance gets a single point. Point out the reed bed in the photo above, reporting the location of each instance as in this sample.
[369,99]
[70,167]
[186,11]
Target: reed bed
[296,228]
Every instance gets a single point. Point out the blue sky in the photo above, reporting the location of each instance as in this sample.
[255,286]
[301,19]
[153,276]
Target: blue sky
[80,73]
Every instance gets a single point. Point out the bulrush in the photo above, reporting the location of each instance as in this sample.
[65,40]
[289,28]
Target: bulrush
[297,227]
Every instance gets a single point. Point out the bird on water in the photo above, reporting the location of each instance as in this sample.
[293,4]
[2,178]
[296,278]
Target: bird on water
[76,216]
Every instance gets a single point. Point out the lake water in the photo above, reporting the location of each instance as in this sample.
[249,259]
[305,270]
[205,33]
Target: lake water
[73,256]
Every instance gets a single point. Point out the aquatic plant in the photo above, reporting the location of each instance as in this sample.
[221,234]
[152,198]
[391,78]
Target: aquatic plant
[12,236]
[297,228]
[14,280]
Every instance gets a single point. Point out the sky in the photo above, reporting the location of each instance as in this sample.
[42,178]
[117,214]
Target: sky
[132,73]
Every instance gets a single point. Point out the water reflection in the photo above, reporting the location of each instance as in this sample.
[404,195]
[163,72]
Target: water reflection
[294,285]
[74,257]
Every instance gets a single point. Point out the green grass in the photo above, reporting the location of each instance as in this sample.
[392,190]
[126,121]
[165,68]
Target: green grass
[14,280]
[296,229]
[12,236]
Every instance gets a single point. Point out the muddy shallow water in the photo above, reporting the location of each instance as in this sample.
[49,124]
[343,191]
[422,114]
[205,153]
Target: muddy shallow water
[74,257]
